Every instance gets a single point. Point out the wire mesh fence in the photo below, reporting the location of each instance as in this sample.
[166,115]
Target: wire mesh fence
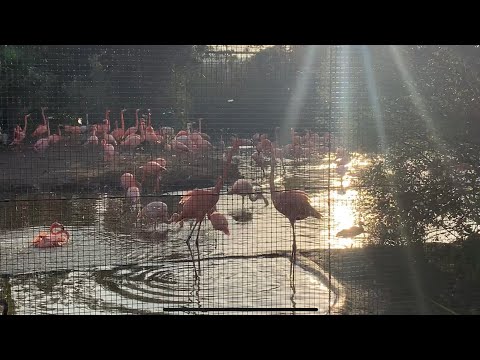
[237,179]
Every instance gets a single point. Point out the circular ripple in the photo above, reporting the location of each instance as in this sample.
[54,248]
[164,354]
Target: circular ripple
[171,287]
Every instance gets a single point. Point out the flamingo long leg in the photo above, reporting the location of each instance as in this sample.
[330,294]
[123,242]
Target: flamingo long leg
[196,243]
[190,249]
[294,253]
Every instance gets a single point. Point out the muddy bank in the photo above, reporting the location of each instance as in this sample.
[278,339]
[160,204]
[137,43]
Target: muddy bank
[80,170]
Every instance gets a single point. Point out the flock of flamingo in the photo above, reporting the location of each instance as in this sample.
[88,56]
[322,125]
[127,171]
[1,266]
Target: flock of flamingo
[196,204]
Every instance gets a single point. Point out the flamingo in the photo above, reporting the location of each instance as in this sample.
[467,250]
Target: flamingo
[42,128]
[19,134]
[42,144]
[199,202]
[155,169]
[108,150]
[156,211]
[352,231]
[294,205]
[128,180]
[55,138]
[105,127]
[244,187]
[219,222]
[133,194]
[92,139]
[118,134]
[132,130]
[259,160]
[52,239]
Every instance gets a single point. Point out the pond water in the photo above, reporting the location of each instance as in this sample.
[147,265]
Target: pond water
[115,265]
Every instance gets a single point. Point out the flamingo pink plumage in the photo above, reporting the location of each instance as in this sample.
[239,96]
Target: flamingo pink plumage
[199,202]
[52,239]
[42,128]
[294,205]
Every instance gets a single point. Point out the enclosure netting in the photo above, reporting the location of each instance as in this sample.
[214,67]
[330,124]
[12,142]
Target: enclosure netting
[103,145]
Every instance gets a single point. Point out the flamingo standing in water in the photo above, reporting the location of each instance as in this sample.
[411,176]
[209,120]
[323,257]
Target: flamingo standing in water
[244,187]
[294,205]
[54,238]
[157,212]
[199,202]
[219,222]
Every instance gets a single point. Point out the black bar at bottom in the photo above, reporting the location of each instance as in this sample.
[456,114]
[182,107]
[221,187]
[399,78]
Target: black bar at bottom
[239,309]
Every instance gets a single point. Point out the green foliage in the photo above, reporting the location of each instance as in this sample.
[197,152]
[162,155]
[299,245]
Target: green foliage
[420,187]
[74,81]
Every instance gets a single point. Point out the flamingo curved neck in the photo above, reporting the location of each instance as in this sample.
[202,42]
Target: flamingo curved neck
[122,121]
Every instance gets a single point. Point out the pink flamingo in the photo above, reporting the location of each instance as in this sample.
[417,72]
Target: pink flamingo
[156,211]
[128,180]
[132,130]
[19,134]
[259,160]
[92,139]
[151,136]
[55,138]
[52,239]
[294,205]
[108,150]
[133,194]
[244,187]
[41,145]
[219,222]
[155,169]
[105,127]
[179,147]
[118,134]
[199,202]
[42,128]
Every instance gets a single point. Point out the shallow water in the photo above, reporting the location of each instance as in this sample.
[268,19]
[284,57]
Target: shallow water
[113,264]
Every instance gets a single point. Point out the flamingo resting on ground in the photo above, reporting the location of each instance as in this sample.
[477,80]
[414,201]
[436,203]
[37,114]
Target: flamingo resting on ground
[52,239]
[294,205]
